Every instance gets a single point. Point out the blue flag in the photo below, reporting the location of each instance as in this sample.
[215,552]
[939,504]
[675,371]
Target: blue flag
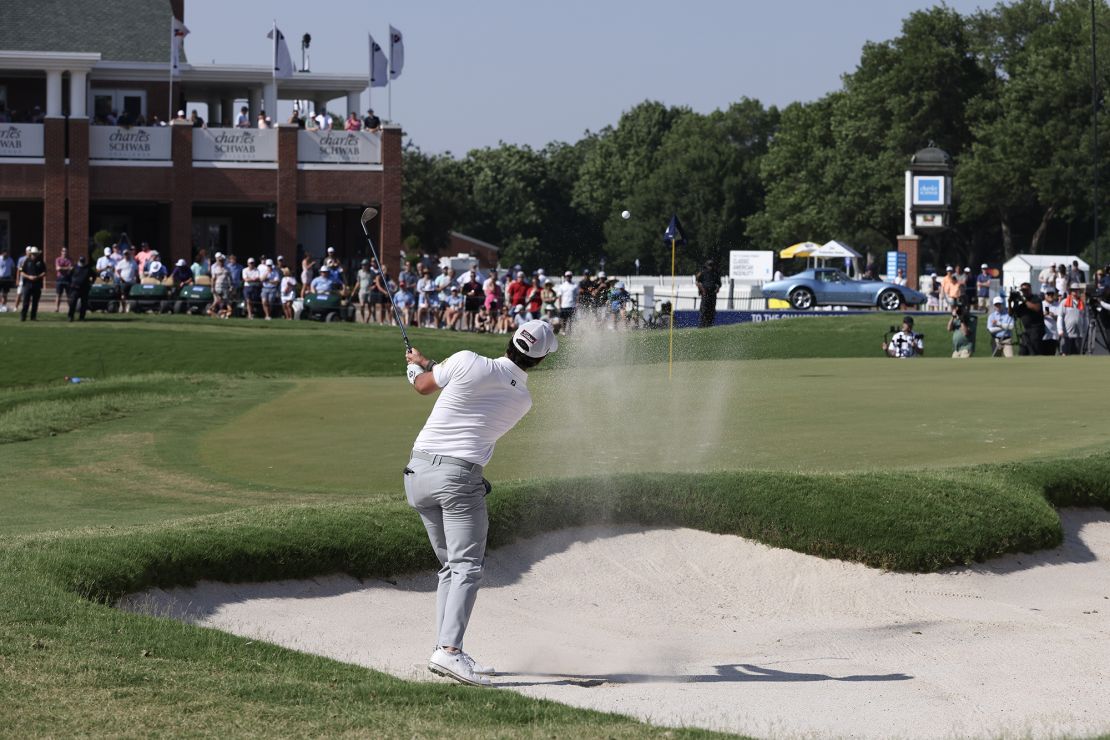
[674,232]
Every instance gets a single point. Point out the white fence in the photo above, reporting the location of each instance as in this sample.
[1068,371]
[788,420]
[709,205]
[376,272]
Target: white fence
[21,140]
[137,142]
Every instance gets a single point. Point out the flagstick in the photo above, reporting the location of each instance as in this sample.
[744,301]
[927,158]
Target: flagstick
[674,303]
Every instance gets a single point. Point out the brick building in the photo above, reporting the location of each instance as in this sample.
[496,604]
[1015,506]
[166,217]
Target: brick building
[67,67]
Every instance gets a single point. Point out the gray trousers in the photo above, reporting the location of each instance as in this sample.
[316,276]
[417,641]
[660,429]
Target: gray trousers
[451,501]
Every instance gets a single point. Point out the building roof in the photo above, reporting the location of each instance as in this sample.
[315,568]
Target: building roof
[120,30]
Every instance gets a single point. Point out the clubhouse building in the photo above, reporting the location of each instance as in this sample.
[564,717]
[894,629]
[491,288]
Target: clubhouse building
[84,145]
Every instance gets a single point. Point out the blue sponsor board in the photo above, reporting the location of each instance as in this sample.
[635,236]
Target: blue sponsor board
[895,261]
[929,190]
[689,319]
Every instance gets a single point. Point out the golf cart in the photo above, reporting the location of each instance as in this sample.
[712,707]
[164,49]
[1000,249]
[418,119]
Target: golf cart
[150,295]
[330,307]
[193,299]
[104,296]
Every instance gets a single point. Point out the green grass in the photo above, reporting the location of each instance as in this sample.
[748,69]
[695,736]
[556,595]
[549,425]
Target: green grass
[254,451]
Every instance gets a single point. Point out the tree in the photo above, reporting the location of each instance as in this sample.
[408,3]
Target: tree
[433,198]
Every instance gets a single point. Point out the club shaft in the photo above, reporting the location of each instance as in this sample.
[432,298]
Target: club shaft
[396,313]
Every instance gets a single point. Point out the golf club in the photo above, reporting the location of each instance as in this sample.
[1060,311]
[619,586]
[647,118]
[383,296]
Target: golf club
[367,217]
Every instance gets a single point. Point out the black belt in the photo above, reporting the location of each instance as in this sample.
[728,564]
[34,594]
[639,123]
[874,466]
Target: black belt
[447,460]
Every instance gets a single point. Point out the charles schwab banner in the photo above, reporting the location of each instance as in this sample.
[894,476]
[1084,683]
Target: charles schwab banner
[136,142]
[347,147]
[235,145]
[20,139]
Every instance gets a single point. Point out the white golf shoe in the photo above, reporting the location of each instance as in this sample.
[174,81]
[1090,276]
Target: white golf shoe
[456,666]
[481,670]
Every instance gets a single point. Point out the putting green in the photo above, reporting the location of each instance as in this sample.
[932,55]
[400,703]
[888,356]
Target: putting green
[346,435]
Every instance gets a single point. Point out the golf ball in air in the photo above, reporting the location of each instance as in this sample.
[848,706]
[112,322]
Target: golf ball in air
[626,215]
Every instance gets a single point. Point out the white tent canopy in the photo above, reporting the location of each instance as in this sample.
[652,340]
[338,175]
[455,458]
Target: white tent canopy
[1024,268]
[834,249]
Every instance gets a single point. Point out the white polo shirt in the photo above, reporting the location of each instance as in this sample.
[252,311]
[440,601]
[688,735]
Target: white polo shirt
[482,398]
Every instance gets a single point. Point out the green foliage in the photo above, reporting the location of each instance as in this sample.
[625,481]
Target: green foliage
[102,239]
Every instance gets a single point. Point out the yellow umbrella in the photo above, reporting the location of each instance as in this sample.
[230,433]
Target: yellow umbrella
[801,249]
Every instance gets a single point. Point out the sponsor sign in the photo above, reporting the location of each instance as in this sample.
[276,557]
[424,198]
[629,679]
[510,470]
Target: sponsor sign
[895,261]
[135,142]
[751,266]
[930,190]
[234,145]
[20,139]
[342,147]
[685,319]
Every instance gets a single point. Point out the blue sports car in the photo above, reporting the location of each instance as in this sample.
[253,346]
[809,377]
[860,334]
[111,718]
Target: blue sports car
[825,286]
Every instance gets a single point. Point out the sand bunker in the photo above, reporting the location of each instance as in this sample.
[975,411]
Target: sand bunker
[680,627]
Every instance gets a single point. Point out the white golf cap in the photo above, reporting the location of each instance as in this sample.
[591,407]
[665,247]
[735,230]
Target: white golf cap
[997,300]
[269,263]
[967,269]
[983,266]
[331,250]
[325,268]
[250,260]
[535,339]
[107,251]
[181,263]
[948,269]
[601,273]
[219,255]
[568,273]
[33,250]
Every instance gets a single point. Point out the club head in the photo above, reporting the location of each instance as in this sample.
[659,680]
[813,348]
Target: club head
[368,216]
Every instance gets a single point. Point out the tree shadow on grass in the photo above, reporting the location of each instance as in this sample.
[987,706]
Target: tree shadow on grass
[725,673]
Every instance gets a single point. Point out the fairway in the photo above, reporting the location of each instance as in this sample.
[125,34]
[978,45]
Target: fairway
[348,435]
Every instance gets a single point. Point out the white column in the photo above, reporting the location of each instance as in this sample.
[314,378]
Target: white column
[907,226]
[354,100]
[53,93]
[269,101]
[255,104]
[78,94]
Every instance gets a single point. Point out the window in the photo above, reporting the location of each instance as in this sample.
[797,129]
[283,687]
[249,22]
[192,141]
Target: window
[5,231]
[105,102]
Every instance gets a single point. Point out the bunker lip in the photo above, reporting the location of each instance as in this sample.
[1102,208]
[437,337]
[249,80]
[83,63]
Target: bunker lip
[681,627]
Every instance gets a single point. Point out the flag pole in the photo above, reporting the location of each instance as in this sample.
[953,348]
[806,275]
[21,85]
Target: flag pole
[674,303]
[389,79]
[169,104]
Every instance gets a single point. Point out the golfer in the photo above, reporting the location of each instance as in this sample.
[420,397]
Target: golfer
[482,399]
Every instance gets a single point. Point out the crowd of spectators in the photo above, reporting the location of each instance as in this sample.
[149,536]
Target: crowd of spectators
[314,121]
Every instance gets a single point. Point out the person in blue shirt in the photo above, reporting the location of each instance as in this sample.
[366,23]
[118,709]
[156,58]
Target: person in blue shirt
[1001,326]
[7,276]
[405,301]
[235,272]
[322,284]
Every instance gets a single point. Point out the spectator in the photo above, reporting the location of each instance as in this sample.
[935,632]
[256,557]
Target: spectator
[405,302]
[475,298]
[252,286]
[1000,324]
[271,286]
[105,267]
[709,283]
[81,279]
[244,120]
[63,268]
[454,310]
[263,121]
[7,277]
[34,274]
[311,124]
[408,275]
[181,275]
[336,269]
[235,272]
[1029,310]
[585,295]
[1062,280]
[619,301]
[154,267]
[322,285]
[352,124]
[533,300]
[1076,275]
[1102,281]
[221,288]
[1050,334]
[1047,278]
[288,292]
[142,256]
[983,290]
[493,291]
[19,276]
[962,328]
[900,277]
[933,295]
[950,286]
[295,118]
[179,117]
[427,299]
[127,275]
[967,287]
[549,300]
[371,122]
[380,291]
[201,265]
[364,281]
[568,300]
[490,281]
[517,289]
[1072,322]
[905,343]
[308,272]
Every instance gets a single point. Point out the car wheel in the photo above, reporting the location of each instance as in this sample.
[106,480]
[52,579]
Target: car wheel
[801,299]
[332,316]
[890,300]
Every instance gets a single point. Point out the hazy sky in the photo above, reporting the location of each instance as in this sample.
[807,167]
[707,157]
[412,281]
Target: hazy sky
[530,72]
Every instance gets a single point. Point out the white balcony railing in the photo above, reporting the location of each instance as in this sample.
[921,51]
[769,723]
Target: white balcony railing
[144,143]
[21,140]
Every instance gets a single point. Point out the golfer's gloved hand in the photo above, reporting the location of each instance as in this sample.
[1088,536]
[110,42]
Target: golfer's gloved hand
[413,371]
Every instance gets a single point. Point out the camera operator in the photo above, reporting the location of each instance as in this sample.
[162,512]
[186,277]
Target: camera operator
[1026,308]
[962,325]
[905,343]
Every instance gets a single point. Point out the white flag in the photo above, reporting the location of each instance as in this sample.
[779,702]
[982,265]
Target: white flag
[379,65]
[396,53]
[283,63]
[178,32]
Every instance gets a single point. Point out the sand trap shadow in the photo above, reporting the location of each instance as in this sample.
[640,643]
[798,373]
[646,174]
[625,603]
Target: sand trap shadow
[725,673]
